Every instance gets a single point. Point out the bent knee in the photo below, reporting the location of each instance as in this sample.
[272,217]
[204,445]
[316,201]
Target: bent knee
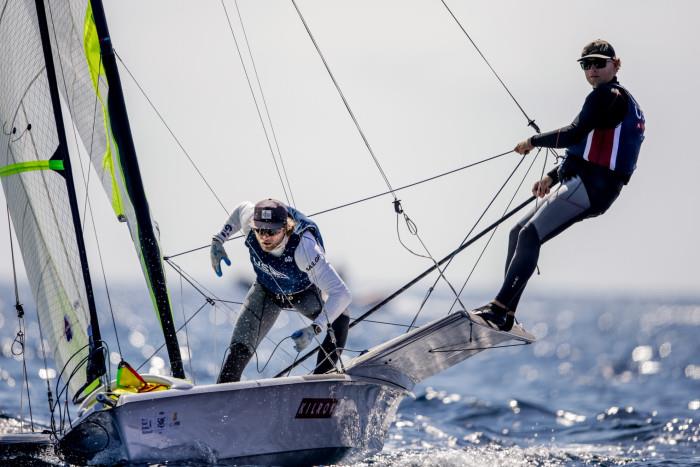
[528,236]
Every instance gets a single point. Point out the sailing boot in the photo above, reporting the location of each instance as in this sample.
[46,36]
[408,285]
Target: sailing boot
[329,353]
[238,357]
[496,316]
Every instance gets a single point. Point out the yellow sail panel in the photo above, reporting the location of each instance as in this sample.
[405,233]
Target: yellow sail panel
[93,56]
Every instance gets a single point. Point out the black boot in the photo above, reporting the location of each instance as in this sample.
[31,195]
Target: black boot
[496,316]
[329,353]
[238,357]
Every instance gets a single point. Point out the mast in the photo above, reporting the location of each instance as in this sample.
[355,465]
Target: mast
[134,185]
[95,363]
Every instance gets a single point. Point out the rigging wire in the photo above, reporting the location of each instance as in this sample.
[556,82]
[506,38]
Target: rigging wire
[410,224]
[530,122]
[211,298]
[92,143]
[368,198]
[419,277]
[257,106]
[493,232]
[167,127]
[342,96]
[197,285]
[61,390]
[264,101]
[155,352]
[411,185]
[441,272]
[386,323]
[397,203]
[298,315]
[464,241]
[49,395]
[323,310]
[21,332]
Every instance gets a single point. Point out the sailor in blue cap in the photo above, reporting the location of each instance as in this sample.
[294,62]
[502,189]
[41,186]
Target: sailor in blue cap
[292,272]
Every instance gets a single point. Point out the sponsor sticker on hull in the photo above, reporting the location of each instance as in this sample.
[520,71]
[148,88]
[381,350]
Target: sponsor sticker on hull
[316,408]
[161,423]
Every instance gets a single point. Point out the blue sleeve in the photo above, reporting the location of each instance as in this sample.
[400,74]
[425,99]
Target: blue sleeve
[605,107]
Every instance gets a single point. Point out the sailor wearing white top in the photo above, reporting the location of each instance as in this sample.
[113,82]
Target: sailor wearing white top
[287,254]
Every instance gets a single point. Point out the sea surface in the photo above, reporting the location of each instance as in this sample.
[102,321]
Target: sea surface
[610,381]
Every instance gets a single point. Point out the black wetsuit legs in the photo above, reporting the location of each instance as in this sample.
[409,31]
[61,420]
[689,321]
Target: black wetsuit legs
[523,253]
[238,357]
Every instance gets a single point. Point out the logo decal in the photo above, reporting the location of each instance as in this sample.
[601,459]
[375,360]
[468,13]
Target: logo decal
[266,214]
[316,408]
[313,263]
[267,269]
[161,423]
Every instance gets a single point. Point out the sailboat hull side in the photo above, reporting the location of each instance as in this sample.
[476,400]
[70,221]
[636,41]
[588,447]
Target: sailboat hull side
[304,420]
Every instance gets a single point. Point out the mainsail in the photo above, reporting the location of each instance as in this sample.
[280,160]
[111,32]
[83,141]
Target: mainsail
[32,153]
[31,166]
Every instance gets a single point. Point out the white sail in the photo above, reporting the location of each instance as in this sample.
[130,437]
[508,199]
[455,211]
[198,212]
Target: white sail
[36,194]
[77,56]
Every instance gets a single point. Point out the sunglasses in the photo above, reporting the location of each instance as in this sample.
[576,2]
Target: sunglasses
[598,63]
[267,232]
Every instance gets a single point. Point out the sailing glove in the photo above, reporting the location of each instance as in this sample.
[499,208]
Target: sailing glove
[304,336]
[218,253]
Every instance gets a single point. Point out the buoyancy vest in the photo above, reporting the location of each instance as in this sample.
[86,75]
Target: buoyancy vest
[615,148]
[280,274]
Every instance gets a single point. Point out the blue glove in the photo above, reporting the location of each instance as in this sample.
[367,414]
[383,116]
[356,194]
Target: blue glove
[304,336]
[217,253]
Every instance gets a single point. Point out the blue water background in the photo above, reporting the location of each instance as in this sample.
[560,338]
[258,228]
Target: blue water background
[611,380]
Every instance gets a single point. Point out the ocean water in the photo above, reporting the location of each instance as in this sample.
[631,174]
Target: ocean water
[610,381]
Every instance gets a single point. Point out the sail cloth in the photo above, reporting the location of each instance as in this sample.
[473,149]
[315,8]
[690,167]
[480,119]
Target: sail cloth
[36,192]
[84,86]
[37,195]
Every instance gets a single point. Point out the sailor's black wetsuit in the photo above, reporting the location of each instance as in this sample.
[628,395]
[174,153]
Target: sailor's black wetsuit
[602,145]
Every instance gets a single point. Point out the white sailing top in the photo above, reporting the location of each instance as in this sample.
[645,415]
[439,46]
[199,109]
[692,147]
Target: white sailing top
[321,273]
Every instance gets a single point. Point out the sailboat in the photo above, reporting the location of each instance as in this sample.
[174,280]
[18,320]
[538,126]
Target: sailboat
[57,63]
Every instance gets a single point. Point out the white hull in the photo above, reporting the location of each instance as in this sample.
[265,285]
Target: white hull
[300,420]
[292,421]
